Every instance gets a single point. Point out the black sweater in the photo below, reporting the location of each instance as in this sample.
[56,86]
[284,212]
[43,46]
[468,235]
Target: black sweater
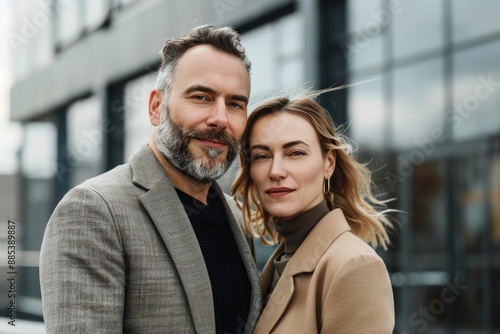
[230,285]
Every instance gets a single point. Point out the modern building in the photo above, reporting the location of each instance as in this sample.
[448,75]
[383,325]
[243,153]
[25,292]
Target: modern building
[423,106]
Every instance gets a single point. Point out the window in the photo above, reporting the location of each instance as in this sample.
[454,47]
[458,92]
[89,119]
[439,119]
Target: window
[366,25]
[137,124]
[417,27]
[418,107]
[476,93]
[275,50]
[75,18]
[367,119]
[38,155]
[474,18]
[86,130]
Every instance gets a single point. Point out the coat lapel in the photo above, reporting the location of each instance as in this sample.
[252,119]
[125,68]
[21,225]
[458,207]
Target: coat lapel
[281,296]
[328,229]
[168,215]
[305,260]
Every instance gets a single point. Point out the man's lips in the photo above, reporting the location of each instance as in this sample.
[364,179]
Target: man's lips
[211,142]
[278,191]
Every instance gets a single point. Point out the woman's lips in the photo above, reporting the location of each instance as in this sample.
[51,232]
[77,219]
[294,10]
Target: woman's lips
[278,191]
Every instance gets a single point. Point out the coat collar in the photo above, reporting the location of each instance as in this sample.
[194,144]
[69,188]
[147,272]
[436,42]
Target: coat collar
[305,260]
[167,213]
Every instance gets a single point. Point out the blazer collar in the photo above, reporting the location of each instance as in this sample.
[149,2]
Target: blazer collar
[305,259]
[147,171]
[167,213]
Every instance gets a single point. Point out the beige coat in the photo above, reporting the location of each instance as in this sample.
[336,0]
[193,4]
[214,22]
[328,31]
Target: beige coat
[334,283]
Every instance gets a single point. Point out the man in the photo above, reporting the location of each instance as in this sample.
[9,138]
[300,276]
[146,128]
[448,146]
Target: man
[152,246]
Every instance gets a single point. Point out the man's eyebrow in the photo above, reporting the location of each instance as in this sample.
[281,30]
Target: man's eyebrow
[286,145]
[241,98]
[201,88]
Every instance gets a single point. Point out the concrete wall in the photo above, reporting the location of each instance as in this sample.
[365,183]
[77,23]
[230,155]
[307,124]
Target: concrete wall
[131,43]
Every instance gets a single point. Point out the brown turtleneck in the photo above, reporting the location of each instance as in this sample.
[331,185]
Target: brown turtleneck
[294,232]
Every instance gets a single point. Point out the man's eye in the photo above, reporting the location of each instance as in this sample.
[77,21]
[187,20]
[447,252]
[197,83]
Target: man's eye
[200,97]
[236,105]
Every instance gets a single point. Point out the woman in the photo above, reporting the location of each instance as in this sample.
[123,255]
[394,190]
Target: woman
[299,184]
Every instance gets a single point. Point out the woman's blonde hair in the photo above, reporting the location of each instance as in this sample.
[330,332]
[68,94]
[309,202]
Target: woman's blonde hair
[350,184]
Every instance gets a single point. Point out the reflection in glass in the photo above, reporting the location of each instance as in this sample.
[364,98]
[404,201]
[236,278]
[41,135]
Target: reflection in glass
[474,18]
[137,124]
[96,12]
[428,312]
[470,225]
[290,29]
[367,23]
[86,133]
[429,217]
[471,199]
[361,12]
[292,73]
[362,52]
[417,27]
[69,21]
[260,47]
[366,114]
[276,53]
[476,92]
[38,157]
[418,107]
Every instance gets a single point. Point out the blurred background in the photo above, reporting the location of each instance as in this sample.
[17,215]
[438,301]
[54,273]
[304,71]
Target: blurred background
[424,109]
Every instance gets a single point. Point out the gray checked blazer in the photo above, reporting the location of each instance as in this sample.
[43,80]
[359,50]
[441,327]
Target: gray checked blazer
[119,255]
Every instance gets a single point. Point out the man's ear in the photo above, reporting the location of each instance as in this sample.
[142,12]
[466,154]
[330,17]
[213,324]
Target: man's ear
[155,103]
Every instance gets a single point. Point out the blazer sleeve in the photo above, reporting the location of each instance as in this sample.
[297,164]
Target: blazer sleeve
[82,270]
[360,298]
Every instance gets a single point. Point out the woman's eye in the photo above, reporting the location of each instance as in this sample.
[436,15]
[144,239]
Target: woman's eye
[259,157]
[296,153]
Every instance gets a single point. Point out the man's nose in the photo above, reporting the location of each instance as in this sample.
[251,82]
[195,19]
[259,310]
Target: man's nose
[218,116]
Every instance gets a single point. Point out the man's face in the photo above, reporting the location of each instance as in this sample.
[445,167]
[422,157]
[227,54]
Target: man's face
[204,117]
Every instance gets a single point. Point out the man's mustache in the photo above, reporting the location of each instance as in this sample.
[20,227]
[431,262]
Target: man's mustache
[219,135]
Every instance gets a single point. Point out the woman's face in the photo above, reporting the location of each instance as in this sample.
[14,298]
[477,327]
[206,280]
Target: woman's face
[287,166]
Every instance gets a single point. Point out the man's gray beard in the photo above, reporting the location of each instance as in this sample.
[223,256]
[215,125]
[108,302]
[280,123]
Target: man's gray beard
[173,142]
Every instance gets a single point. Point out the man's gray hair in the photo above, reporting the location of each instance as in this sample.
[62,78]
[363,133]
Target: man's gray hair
[224,39]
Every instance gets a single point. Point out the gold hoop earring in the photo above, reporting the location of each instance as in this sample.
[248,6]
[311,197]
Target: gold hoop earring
[326,186]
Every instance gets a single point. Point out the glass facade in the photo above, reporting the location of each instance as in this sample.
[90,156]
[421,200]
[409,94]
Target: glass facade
[86,132]
[431,101]
[137,124]
[276,50]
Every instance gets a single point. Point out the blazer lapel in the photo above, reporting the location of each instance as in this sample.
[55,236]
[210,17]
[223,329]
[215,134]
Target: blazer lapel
[168,215]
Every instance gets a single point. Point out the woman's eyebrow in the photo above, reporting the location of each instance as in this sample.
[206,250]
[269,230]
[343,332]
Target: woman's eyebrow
[293,143]
[262,147]
[286,145]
